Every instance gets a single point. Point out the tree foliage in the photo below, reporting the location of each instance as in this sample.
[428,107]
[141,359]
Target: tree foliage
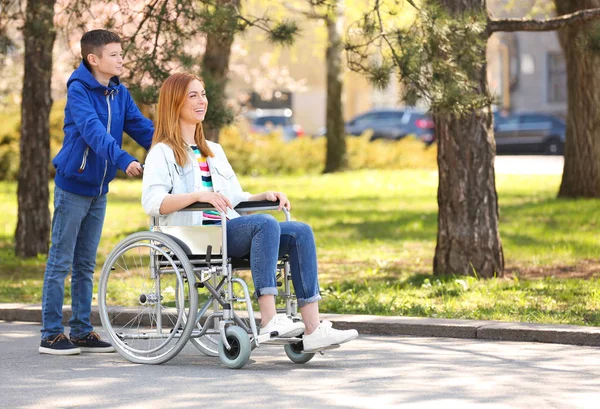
[10,10]
[434,57]
[165,36]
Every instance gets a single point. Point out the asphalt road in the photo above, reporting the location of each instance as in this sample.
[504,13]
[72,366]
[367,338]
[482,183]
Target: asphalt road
[370,372]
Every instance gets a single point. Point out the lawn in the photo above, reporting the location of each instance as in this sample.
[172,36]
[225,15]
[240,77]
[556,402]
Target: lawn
[376,235]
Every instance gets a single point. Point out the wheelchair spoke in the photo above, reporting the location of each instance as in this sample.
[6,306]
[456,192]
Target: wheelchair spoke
[133,292]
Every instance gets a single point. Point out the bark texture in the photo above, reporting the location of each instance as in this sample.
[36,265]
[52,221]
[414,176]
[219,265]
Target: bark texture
[581,174]
[336,157]
[468,241]
[33,223]
[551,24]
[215,62]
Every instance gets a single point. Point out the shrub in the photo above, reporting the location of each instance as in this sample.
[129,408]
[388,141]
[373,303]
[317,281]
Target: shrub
[253,154]
[10,137]
[9,144]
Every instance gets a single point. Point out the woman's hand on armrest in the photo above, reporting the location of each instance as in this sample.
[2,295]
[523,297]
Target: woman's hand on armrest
[218,200]
[273,197]
[174,203]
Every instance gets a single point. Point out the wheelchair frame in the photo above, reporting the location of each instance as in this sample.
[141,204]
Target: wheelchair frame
[170,264]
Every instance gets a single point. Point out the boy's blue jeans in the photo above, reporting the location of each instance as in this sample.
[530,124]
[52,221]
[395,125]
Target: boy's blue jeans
[265,239]
[76,230]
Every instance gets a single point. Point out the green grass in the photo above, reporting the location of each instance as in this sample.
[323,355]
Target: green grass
[376,234]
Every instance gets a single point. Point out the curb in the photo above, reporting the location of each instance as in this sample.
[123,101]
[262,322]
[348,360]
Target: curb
[380,325]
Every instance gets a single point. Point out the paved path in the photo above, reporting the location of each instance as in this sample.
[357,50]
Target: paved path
[392,325]
[529,165]
[371,372]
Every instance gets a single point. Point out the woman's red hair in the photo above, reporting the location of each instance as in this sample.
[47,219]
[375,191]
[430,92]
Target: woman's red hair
[167,130]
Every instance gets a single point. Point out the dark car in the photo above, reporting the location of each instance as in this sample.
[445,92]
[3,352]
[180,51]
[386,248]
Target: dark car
[391,124]
[529,133]
[266,121]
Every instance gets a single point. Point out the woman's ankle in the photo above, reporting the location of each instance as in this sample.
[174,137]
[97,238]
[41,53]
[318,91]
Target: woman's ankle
[266,305]
[310,317]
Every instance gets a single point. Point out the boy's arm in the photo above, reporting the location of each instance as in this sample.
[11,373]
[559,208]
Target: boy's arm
[137,125]
[92,130]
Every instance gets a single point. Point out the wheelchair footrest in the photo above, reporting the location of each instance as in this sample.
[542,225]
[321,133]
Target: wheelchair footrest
[313,351]
[280,341]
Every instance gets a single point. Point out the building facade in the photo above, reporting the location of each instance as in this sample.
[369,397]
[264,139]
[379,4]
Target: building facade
[527,70]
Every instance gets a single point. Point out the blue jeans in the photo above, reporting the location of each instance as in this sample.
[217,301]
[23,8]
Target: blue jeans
[264,240]
[76,230]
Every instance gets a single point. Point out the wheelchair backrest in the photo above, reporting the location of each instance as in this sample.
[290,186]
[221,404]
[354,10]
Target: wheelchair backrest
[194,240]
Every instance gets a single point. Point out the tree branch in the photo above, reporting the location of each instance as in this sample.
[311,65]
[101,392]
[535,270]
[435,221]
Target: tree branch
[312,14]
[551,24]
[158,27]
[150,9]
[395,56]
[412,3]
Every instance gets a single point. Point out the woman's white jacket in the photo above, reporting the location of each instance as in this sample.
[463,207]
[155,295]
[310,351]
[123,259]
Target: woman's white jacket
[163,176]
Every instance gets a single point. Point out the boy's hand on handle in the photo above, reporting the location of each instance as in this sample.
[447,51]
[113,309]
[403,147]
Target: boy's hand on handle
[218,200]
[134,169]
[283,200]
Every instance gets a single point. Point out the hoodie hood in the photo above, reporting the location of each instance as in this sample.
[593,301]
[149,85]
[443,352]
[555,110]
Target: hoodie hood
[83,75]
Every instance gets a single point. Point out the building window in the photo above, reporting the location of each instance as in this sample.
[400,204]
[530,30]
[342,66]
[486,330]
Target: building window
[557,78]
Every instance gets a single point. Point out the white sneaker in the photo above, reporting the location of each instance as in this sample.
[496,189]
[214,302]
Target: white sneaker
[325,336]
[285,327]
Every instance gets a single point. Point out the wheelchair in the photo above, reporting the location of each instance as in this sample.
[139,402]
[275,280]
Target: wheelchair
[160,288]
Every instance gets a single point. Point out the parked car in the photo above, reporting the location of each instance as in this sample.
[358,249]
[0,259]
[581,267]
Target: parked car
[266,121]
[392,124]
[529,133]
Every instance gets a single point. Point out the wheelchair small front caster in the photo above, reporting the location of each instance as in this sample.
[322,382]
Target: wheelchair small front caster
[294,352]
[239,353]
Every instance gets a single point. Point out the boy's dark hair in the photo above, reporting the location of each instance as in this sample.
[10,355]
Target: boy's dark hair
[93,41]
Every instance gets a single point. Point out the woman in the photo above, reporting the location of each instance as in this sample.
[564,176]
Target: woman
[183,168]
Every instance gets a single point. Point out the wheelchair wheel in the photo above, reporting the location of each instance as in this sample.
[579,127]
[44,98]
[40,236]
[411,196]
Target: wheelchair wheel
[238,355]
[294,352]
[146,292]
[209,344]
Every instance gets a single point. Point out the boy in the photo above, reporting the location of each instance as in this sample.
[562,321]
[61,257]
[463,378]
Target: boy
[98,110]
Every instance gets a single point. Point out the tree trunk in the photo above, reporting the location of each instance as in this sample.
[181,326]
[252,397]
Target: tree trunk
[33,225]
[336,158]
[215,63]
[468,240]
[581,174]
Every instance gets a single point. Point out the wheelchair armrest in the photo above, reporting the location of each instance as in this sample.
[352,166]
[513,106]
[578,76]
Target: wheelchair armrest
[252,206]
[198,206]
[243,206]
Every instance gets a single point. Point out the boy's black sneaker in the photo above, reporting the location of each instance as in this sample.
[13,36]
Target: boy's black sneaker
[58,345]
[92,343]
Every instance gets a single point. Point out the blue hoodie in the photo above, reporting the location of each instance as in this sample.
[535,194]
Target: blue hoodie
[95,118]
